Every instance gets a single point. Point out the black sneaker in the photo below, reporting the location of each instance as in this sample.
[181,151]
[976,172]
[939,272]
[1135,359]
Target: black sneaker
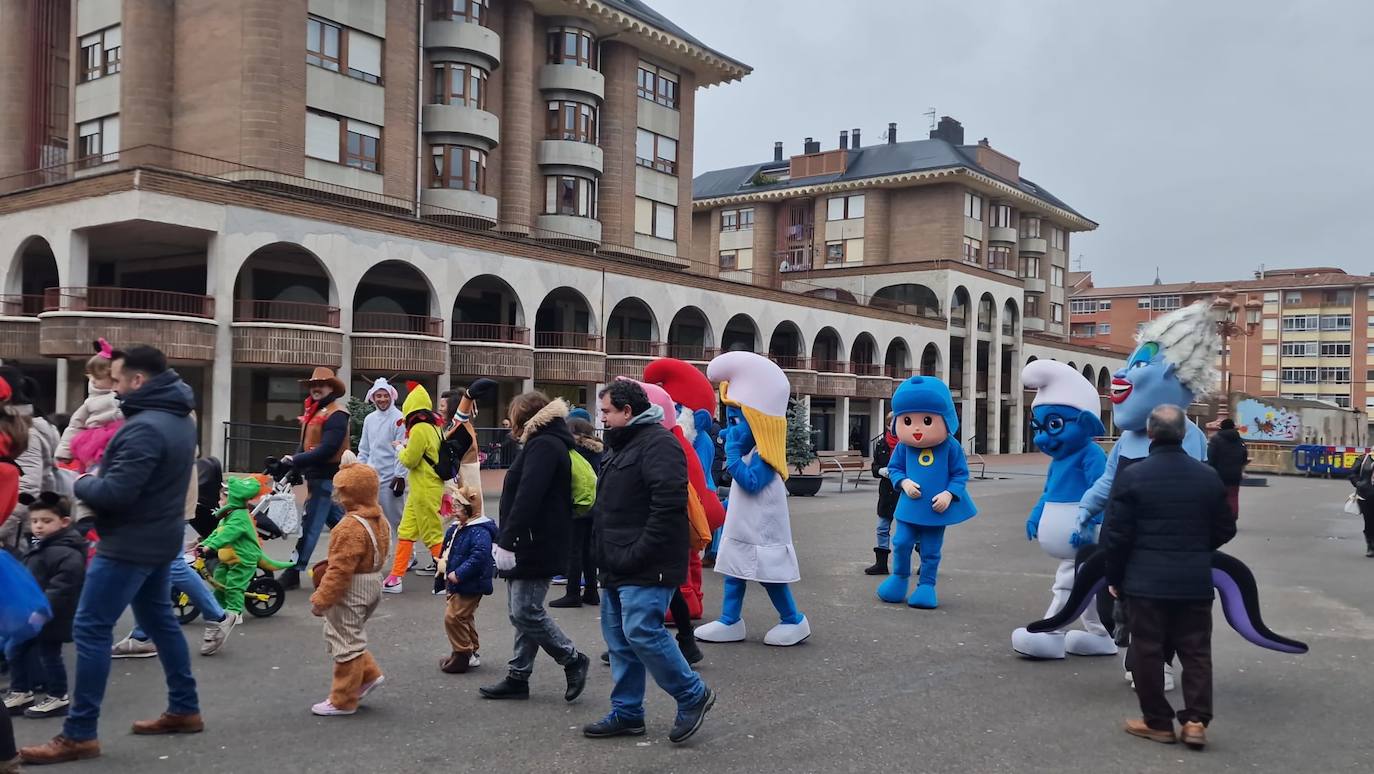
[509,688]
[576,671]
[567,600]
[290,579]
[688,722]
[688,646]
[613,725]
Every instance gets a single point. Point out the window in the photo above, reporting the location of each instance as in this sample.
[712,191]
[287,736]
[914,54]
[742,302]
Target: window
[100,53]
[1271,325]
[1299,375]
[656,151]
[1270,350]
[844,207]
[1057,238]
[1085,331]
[1272,297]
[1337,297]
[737,220]
[474,11]
[569,195]
[1337,349]
[1030,228]
[1334,375]
[1001,216]
[973,206]
[1300,322]
[999,258]
[1057,276]
[363,146]
[1103,306]
[1143,302]
[658,85]
[571,121]
[834,252]
[1057,313]
[1369,375]
[973,250]
[1269,375]
[737,260]
[364,56]
[1340,400]
[569,45]
[458,84]
[1030,267]
[655,219]
[1033,307]
[1165,303]
[323,43]
[97,142]
[844,251]
[1335,322]
[1299,349]
[1104,329]
[1292,297]
[1082,306]
[455,166]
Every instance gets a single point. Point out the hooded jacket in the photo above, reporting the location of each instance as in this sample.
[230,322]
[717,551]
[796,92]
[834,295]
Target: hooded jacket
[536,499]
[468,548]
[100,408]
[642,533]
[139,496]
[421,453]
[58,563]
[1226,453]
[380,430]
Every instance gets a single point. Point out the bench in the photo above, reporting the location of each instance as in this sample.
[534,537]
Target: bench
[844,463]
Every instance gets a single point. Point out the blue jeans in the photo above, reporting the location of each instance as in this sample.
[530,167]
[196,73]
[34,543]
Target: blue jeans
[111,587]
[884,533]
[37,663]
[185,580]
[632,623]
[320,509]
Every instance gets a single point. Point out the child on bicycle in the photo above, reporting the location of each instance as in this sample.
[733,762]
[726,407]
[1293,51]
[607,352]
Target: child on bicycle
[235,542]
[467,577]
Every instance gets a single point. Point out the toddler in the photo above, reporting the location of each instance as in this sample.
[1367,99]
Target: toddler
[468,569]
[98,418]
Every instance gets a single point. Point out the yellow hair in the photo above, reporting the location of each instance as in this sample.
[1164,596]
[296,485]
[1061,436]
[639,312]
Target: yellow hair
[770,432]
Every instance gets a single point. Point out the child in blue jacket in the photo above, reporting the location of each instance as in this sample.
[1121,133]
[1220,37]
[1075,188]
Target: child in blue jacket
[468,569]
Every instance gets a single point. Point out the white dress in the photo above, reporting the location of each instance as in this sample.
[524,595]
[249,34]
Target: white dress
[756,543]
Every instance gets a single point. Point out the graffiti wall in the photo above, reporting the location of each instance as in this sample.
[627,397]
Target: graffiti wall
[1295,420]
[1257,420]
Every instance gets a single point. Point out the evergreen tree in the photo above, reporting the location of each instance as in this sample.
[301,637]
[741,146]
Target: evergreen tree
[799,450]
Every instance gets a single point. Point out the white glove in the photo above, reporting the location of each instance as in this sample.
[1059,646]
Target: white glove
[505,560]
[882,472]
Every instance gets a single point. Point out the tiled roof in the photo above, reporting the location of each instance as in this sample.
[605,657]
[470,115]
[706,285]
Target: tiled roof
[1332,279]
[644,13]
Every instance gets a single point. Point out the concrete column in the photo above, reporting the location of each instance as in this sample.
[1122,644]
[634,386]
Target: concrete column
[217,407]
[63,375]
[841,439]
[1018,405]
[526,385]
[72,256]
[594,403]
[995,390]
[345,372]
[517,122]
[16,36]
[877,414]
[970,388]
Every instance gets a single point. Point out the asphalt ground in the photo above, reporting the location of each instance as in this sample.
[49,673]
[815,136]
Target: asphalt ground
[876,688]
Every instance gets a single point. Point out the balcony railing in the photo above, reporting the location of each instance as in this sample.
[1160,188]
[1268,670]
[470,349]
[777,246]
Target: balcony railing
[897,372]
[506,334]
[865,369]
[636,347]
[830,366]
[105,299]
[286,312]
[589,342]
[791,362]
[697,352]
[388,322]
[17,305]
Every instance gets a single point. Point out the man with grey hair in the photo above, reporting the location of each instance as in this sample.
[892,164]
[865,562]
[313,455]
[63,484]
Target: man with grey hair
[1168,513]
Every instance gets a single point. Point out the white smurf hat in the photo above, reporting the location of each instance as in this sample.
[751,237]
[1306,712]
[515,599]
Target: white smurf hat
[753,381]
[1056,384]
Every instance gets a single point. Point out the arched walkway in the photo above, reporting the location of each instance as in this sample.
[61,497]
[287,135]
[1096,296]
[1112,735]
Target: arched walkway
[394,297]
[741,333]
[564,319]
[689,335]
[930,360]
[910,298]
[631,329]
[487,308]
[285,283]
[827,352]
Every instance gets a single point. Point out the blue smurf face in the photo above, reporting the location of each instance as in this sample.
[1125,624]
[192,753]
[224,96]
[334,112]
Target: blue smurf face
[1146,382]
[737,429]
[1062,430]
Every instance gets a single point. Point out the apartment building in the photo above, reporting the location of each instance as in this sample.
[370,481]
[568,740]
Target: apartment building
[1313,335]
[433,191]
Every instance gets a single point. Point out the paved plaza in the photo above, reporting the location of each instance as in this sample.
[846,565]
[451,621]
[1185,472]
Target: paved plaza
[877,688]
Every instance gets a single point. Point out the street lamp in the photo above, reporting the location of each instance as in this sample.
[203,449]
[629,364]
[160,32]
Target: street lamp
[1228,326]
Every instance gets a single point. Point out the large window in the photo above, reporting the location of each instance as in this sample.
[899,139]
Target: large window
[571,121]
[458,84]
[569,45]
[1334,375]
[1299,349]
[1104,305]
[737,260]
[973,250]
[844,207]
[658,85]
[1335,322]
[344,141]
[1165,303]
[1057,238]
[1300,322]
[454,166]
[1001,216]
[1082,306]
[323,43]
[1336,349]
[1299,375]
[999,258]
[1057,313]
[655,219]
[97,142]
[362,146]
[474,11]
[973,206]
[343,50]
[1030,267]
[100,53]
[737,220]
[569,195]
[844,251]
[1033,306]
[1057,276]
[656,151]
[1030,228]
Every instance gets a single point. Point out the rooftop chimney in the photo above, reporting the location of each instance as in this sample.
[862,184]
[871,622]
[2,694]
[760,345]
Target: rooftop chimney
[892,133]
[777,151]
[810,146]
[844,140]
[854,138]
[949,130]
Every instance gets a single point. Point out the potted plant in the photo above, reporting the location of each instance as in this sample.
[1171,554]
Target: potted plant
[800,453]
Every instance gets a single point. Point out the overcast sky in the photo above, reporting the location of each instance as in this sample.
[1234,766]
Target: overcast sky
[1206,138]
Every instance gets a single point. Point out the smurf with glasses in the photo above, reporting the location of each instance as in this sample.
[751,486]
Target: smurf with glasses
[1064,418]
[930,471]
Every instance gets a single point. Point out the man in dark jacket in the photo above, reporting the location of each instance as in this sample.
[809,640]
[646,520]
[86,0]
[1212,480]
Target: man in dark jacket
[1168,513]
[139,500]
[887,498]
[642,537]
[324,439]
[1227,454]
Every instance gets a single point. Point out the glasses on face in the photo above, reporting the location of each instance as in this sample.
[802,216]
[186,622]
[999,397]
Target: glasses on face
[1053,424]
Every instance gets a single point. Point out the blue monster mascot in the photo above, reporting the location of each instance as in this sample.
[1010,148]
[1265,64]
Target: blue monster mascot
[928,467]
[1065,421]
[756,543]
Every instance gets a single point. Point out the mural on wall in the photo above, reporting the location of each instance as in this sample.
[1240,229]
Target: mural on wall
[1260,421]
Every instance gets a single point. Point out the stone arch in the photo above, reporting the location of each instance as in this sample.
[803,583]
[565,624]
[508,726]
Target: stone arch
[897,358]
[827,348]
[1104,380]
[487,300]
[741,332]
[632,320]
[690,335]
[959,303]
[912,298]
[931,361]
[1073,365]
[1031,359]
[563,314]
[987,313]
[786,341]
[1089,373]
[33,270]
[393,296]
[287,283]
[864,351]
[1011,318]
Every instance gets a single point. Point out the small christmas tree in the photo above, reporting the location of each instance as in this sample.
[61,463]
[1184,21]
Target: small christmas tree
[799,450]
[358,409]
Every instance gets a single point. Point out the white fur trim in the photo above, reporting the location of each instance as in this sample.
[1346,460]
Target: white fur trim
[557,409]
[687,420]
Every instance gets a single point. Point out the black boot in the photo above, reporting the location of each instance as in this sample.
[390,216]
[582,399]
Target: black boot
[571,598]
[290,579]
[590,595]
[687,643]
[509,688]
[879,562]
[1369,547]
[576,672]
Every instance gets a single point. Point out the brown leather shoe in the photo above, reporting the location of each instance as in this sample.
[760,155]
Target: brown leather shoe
[1136,727]
[60,750]
[1194,734]
[168,723]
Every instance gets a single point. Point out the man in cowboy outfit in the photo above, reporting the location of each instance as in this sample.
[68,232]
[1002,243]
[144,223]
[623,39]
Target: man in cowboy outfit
[324,439]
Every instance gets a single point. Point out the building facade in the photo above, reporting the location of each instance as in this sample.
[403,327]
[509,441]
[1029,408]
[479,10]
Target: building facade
[434,191]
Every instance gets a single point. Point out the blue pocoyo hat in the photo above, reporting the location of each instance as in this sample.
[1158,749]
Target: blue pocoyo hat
[925,394]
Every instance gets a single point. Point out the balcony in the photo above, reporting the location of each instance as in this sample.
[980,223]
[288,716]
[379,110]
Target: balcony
[1033,323]
[458,204]
[182,325]
[572,78]
[872,380]
[570,153]
[574,230]
[398,343]
[19,326]
[286,333]
[1003,235]
[799,373]
[1034,245]
[627,357]
[1033,284]
[836,385]
[569,357]
[493,351]
[463,36]
[462,124]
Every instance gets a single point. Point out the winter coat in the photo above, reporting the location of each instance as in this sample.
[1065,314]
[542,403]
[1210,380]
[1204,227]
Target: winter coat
[324,439]
[1363,477]
[380,430]
[468,548]
[37,466]
[642,534]
[58,563]
[887,494]
[419,456]
[1167,515]
[536,499]
[592,450]
[139,496]
[100,408]
[1226,453]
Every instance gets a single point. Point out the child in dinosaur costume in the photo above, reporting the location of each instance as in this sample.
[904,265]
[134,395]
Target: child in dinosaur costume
[420,520]
[1065,421]
[237,545]
[756,543]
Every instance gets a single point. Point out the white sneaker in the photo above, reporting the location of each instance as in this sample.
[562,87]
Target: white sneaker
[392,585]
[50,707]
[784,634]
[475,660]
[16,701]
[217,633]
[132,648]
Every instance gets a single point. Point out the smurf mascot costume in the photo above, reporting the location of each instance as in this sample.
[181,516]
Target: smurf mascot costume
[929,468]
[756,543]
[1065,421]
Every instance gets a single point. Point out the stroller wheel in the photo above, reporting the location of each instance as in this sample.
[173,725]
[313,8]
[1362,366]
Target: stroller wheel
[183,609]
[264,596]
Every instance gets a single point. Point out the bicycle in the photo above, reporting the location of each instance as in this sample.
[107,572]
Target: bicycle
[264,596]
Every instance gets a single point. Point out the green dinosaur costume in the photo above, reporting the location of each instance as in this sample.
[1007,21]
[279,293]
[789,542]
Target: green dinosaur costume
[239,549]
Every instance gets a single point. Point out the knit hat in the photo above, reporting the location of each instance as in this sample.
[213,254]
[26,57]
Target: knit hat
[928,395]
[381,384]
[1057,384]
[684,381]
[580,413]
[759,388]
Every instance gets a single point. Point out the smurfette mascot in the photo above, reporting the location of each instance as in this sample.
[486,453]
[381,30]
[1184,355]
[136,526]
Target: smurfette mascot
[756,543]
[929,468]
[1065,421]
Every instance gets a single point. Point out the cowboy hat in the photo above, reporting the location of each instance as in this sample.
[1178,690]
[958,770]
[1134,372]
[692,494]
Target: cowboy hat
[322,374]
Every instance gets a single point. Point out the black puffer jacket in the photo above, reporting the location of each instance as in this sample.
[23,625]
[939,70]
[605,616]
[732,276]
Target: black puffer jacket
[887,494]
[1167,515]
[642,532]
[58,563]
[1227,454]
[536,499]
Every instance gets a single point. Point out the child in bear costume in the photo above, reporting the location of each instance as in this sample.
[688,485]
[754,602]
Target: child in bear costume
[930,470]
[756,543]
[1065,421]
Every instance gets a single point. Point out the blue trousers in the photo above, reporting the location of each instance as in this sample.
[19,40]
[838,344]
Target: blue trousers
[111,586]
[904,541]
[185,580]
[884,532]
[37,663]
[732,602]
[632,623]
[320,510]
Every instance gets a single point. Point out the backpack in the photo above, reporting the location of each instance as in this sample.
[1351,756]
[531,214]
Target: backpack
[583,483]
[450,457]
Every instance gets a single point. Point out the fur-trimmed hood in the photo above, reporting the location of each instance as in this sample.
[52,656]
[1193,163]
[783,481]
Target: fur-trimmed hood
[557,409]
[591,444]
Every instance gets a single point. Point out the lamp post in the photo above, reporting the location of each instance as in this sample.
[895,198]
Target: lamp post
[1229,326]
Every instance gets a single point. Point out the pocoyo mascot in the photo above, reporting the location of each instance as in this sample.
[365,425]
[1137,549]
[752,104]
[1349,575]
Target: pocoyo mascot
[1064,417]
[930,470]
[756,543]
